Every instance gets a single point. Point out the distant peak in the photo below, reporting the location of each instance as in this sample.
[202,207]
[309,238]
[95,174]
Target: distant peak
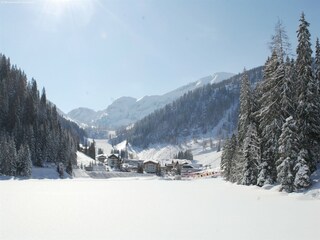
[220,76]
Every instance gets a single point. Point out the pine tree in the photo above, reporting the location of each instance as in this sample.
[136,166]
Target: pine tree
[245,107]
[158,170]
[92,150]
[317,66]
[302,171]
[270,121]
[288,151]
[287,101]
[140,168]
[228,158]
[8,157]
[317,94]
[308,115]
[250,157]
[69,167]
[24,164]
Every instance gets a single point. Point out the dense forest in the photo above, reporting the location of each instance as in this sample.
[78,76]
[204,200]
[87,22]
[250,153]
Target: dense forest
[279,121]
[194,114]
[31,130]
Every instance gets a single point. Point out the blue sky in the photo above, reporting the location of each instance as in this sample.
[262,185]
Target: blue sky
[88,53]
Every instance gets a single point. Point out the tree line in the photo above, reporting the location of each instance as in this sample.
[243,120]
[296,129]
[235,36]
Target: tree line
[184,155]
[31,130]
[279,121]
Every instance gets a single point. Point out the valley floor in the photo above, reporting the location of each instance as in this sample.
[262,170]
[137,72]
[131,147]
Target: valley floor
[152,209]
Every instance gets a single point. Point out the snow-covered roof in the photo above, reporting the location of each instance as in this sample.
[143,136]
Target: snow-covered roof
[151,161]
[115,155]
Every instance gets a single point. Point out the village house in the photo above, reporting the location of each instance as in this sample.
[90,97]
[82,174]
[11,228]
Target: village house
[188,168]
[150,166]
[114,161]
[131,165]
[101,158]
[173,167]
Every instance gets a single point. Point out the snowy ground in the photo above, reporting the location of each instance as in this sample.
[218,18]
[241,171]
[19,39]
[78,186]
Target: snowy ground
[84,159]
[211,158]
[104,145]
[83,209]
[46,173]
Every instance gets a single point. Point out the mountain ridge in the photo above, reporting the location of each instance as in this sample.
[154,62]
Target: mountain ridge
[210,111]
[127,110]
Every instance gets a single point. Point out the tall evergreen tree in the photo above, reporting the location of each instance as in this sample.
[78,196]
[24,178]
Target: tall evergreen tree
[8,156]
[287,101]
[228,158]
[288,151]
[24,164]
[317,66]
[308,116]
[250,157]
[302,170]
[245,107]
[92,150]
[270,119]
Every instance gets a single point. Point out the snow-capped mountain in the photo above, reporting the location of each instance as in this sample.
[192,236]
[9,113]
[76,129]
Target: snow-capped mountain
[127,110]
[84,116]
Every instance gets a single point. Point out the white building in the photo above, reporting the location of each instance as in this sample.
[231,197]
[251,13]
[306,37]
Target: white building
[114,161]
[150,166]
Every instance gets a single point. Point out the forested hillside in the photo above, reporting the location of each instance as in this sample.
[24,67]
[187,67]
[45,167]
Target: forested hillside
[31,131]
[194,114]
[279,123]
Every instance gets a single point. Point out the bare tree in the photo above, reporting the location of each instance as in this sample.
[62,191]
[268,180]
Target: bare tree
[280,41]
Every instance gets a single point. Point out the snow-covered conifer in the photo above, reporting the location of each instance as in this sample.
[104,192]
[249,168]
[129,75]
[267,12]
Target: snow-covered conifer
[250,156]
[288,151]
[24,164]
[270,119]
[8,156]
[245,107]
[228,158]
[302,171]
[287,101]
[308,116]
[317,65]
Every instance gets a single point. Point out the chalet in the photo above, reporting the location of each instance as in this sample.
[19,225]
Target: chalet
[131,165]
[173,166]
[114,161]
[150,166]
[188,168]
[101,158]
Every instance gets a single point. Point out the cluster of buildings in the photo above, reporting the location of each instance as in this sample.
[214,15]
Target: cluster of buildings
[115,162]
[177,167]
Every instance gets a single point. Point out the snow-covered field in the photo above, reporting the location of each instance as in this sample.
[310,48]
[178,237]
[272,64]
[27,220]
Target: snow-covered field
[152,209]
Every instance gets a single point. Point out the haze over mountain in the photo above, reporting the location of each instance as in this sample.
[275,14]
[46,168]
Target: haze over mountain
[127,110]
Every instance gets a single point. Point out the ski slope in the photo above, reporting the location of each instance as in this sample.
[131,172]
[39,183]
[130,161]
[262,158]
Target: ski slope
[82,209]
[204,156]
